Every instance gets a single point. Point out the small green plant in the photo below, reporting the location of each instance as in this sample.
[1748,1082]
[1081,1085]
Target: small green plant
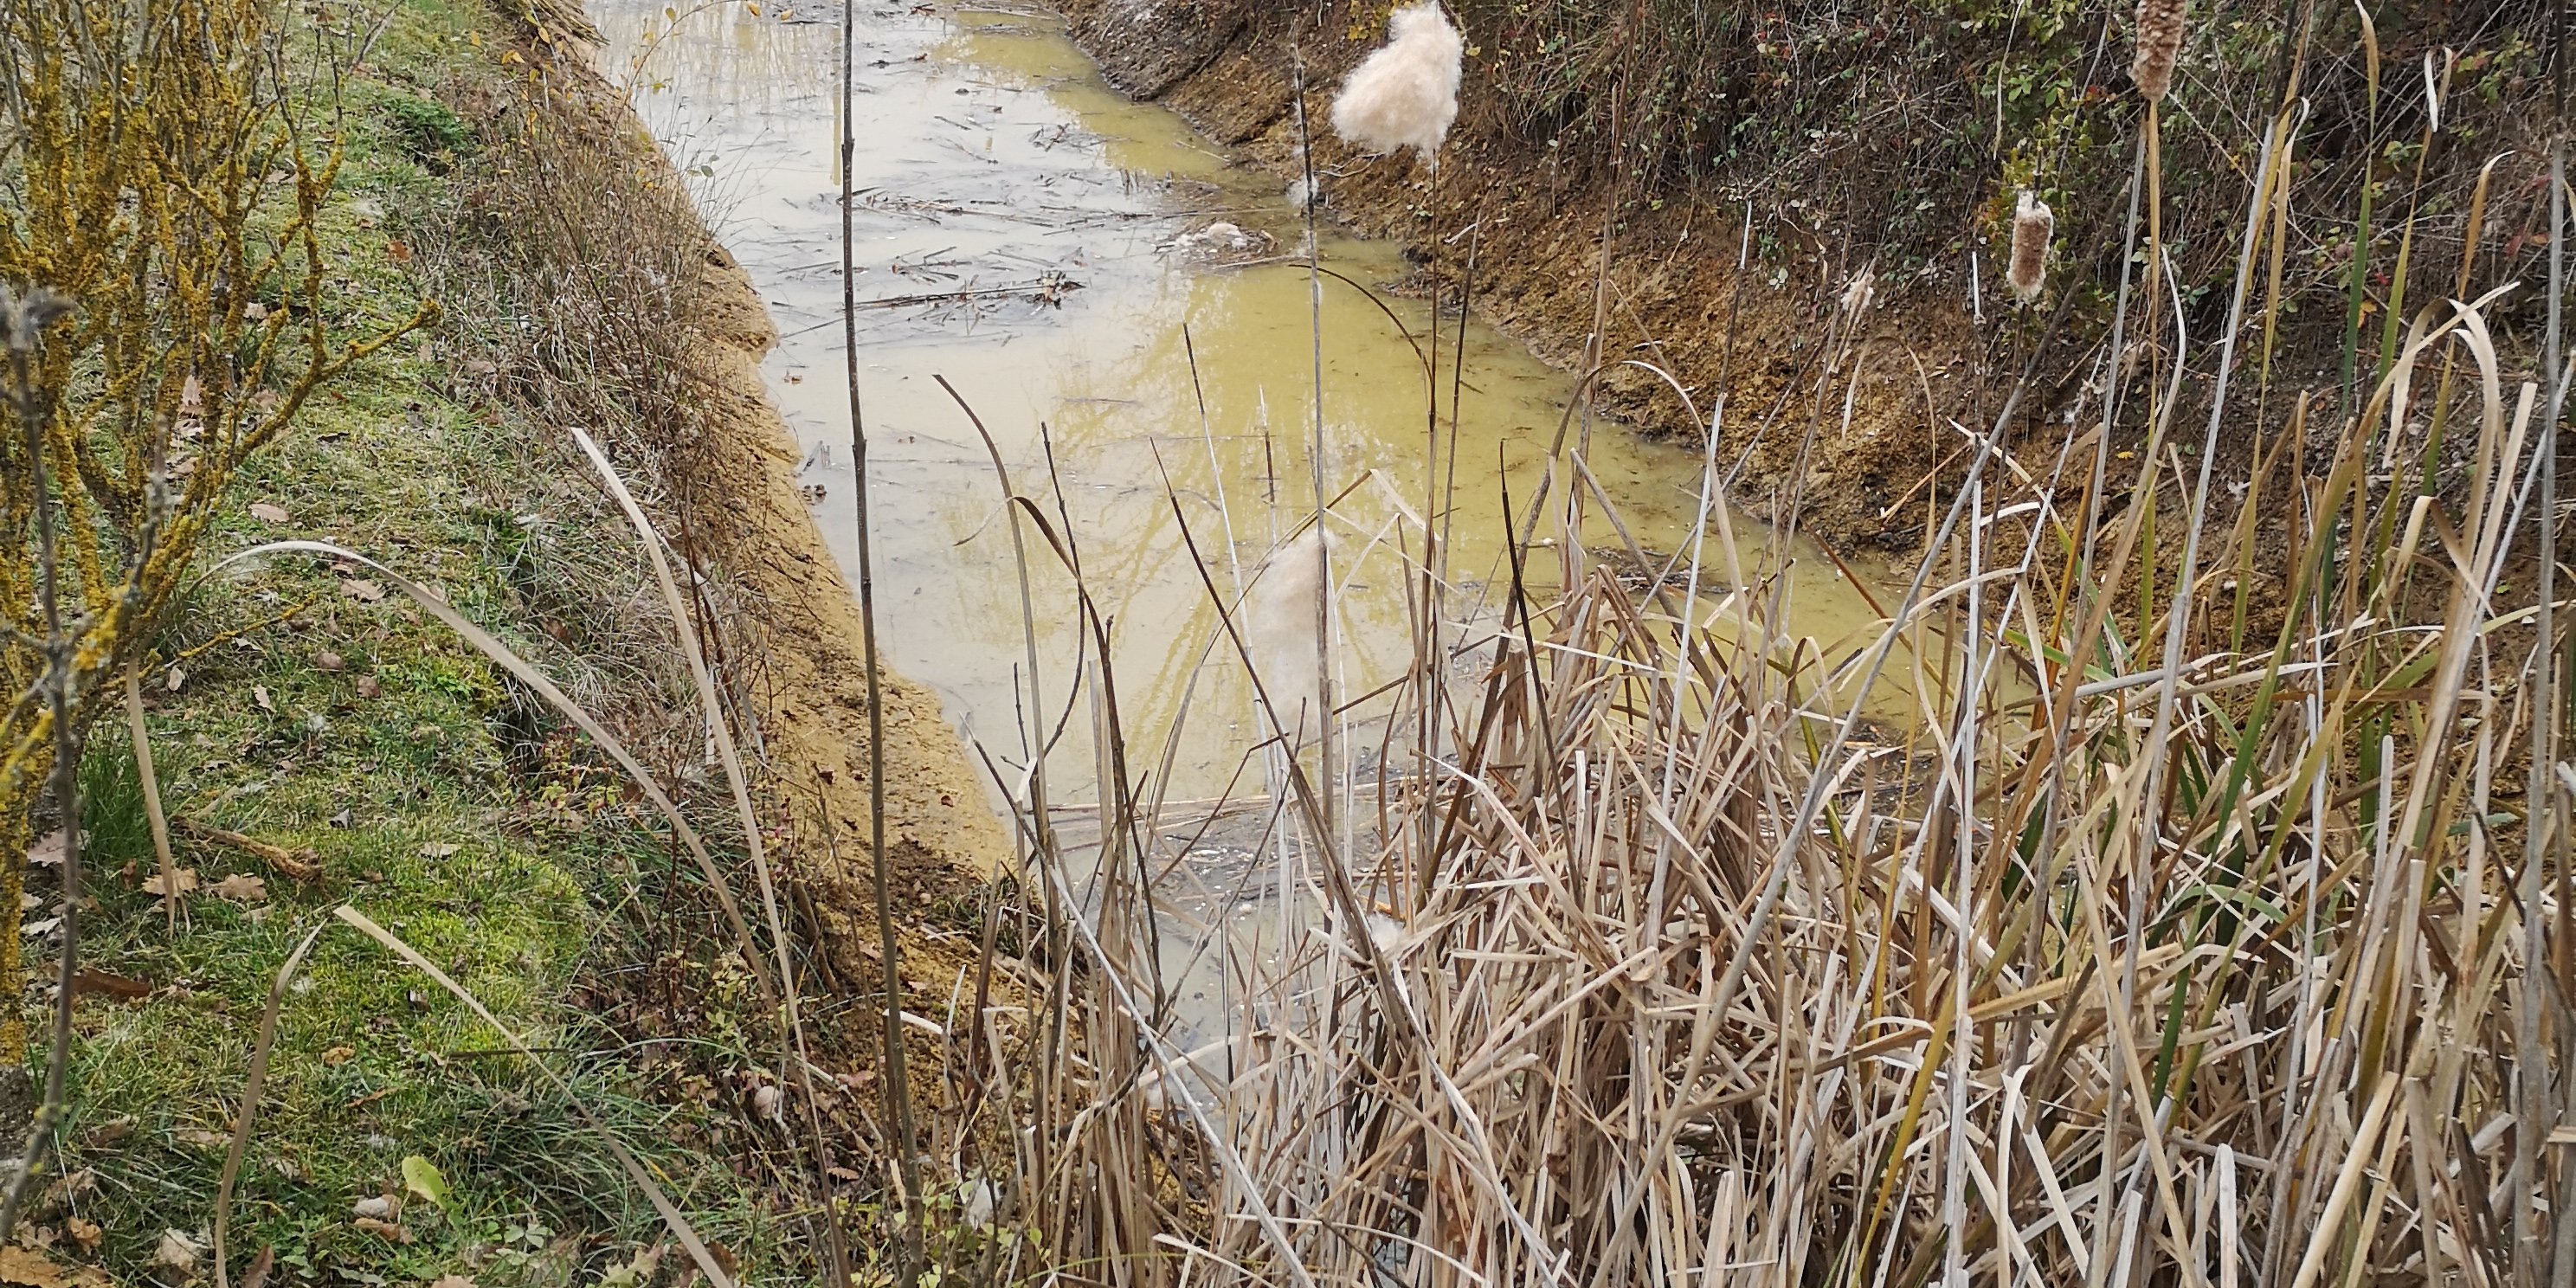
[427,130]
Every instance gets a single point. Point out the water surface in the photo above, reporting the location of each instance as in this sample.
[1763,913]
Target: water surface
[1041,242]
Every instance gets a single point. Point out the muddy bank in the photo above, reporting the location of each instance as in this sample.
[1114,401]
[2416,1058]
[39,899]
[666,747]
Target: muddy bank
[785,623]
[1669,294]
[1859,143]
[804,624]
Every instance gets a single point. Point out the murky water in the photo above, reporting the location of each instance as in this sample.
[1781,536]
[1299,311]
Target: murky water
[1040,242]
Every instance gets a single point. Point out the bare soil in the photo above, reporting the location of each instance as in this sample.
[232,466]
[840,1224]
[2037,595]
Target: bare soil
[804,620]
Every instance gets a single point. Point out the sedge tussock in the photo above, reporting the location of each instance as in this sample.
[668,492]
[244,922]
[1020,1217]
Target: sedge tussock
[1405,95]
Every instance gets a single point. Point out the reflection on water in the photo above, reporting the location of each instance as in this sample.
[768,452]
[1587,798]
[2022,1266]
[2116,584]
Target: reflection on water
[1015,230]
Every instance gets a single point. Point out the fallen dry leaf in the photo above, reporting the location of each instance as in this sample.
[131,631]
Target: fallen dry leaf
[375,1206]
[396,251]
[178,1252]
[48,849]
[382,1229]
[266,512]
[259,697]
[85,1233]
[28,1268]
[437,850]
[174,679]
[368,686]
[202,1139]
[362,590]
[59,1195]
[453,1281]
[102,984]
[338,1055]
[329,661]
[180,881]
[241,887]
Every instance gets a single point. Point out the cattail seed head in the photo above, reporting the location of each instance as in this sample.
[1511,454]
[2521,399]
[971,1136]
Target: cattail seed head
[1279,618]
[1860,292]
[1405,95]
[2160,30]
[2033,225]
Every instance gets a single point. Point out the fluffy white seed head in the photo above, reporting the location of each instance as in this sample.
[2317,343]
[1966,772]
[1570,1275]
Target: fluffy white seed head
[1405,95]
[1279,619]
[2160,31]
[1861,292]
[2033,225]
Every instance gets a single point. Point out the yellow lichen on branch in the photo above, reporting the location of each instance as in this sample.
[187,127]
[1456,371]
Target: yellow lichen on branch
[169,183]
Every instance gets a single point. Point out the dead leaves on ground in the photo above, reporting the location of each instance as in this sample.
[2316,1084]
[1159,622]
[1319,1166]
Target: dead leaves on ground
[179,883]
[172,884]
[241,887]
[99,983]
[25,1267]
[178,1252]
[382,1229]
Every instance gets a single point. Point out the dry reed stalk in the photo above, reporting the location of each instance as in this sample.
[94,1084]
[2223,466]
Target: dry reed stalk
[141,738]
[2061,1062]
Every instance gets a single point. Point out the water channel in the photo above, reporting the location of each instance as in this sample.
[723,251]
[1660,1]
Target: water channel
[1060,254]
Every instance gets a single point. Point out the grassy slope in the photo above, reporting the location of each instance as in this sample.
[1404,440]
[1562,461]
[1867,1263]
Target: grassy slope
[432,804]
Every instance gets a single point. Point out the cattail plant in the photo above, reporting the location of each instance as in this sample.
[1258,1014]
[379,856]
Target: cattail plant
[1279,632]
[2033,225]
[2160,27]
[1406,94]
[1861,292]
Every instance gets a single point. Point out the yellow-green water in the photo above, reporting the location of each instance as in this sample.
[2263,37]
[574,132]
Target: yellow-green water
[990,155]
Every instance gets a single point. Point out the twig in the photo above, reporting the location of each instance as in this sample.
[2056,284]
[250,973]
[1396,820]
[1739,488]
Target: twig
[303,865]
[23,319]
[898,1088]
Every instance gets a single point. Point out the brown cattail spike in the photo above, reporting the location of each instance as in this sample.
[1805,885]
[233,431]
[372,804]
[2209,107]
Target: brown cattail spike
[2160,27]
[2033,225]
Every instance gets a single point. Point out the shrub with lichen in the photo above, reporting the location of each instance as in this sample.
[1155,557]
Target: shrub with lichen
[165,183]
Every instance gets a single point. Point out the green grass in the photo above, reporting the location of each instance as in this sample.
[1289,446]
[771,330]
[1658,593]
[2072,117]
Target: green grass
[436,803]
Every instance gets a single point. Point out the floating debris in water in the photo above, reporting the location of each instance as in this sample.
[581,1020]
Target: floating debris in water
[1221,241]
